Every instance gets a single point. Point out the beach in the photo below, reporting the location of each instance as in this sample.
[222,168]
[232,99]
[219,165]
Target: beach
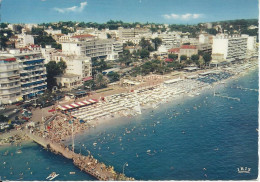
[144,137]
[131,103]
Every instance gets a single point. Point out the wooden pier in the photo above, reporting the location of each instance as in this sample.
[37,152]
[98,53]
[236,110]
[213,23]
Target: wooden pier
[87,164]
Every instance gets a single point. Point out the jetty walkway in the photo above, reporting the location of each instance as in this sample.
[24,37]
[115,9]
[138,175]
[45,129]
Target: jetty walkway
[87,164]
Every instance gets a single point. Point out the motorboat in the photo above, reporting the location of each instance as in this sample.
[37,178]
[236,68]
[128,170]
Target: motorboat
[52,176]
[19,152]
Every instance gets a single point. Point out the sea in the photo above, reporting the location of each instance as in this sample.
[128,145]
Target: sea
[204,137]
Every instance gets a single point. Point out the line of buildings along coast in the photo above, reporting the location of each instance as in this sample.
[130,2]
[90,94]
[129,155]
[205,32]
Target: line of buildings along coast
[23,74]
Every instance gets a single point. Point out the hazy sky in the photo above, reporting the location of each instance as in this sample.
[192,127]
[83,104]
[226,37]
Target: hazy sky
[157,11]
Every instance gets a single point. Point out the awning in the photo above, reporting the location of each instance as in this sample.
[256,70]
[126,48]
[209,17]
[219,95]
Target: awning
[77,104]
[52,110]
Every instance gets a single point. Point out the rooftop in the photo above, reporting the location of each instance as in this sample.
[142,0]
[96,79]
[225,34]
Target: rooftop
[188,47]
[174,50]
[83,36]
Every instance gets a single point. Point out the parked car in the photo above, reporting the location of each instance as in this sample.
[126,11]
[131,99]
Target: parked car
[47,104]
[19,103]
[16,110]
[2,108]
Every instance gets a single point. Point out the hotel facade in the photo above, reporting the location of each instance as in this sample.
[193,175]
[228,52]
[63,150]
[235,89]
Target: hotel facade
[23,75]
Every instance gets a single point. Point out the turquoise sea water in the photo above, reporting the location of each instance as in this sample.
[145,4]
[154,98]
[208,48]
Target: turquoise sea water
[193,138]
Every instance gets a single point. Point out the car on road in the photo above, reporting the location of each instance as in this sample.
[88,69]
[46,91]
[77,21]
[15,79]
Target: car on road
[2,108]
[16,110]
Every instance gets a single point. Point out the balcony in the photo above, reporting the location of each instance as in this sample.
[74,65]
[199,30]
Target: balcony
[10,92]
[10,87]
[8,70]
[31,58]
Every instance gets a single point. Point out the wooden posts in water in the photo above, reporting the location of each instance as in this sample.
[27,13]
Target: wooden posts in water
[87,163]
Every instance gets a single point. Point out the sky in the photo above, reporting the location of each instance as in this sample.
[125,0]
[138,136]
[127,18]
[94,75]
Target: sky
[152,11]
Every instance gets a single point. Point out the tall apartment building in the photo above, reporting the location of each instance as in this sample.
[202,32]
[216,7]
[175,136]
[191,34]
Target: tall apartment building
[170,39]
[32,71]
[48,53]
[10,85]
[251,46]
[130,32]
[233,48]
[95,48]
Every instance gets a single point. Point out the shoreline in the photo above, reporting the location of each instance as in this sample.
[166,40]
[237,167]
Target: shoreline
[128,112]
[107,119]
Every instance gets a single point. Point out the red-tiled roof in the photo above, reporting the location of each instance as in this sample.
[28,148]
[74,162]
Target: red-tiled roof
[83,36]
[175,50]
[33,45]
[168,60]
[87,78]
[188,47]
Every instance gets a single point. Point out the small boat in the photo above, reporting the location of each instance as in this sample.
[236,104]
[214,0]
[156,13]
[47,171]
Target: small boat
[6,153]
[52,176]
[19,152]
[94,144]
[72,172]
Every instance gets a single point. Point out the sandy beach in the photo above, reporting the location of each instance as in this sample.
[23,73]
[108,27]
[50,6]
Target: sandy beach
[132,102]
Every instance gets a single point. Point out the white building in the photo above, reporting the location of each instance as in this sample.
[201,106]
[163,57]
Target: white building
[74,48]
[81,66]
[32,71]
[203,39]
[64,38]
[191,41]
[169,39]
[129,32]
[233,48]
[251,46]
[10,85]
[22,40]
[205,44]
[47,53]
[108,49]
[30,26]
[68,81]
[22,74]
[50,31]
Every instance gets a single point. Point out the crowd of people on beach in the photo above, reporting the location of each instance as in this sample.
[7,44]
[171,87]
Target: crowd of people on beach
[71,122]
